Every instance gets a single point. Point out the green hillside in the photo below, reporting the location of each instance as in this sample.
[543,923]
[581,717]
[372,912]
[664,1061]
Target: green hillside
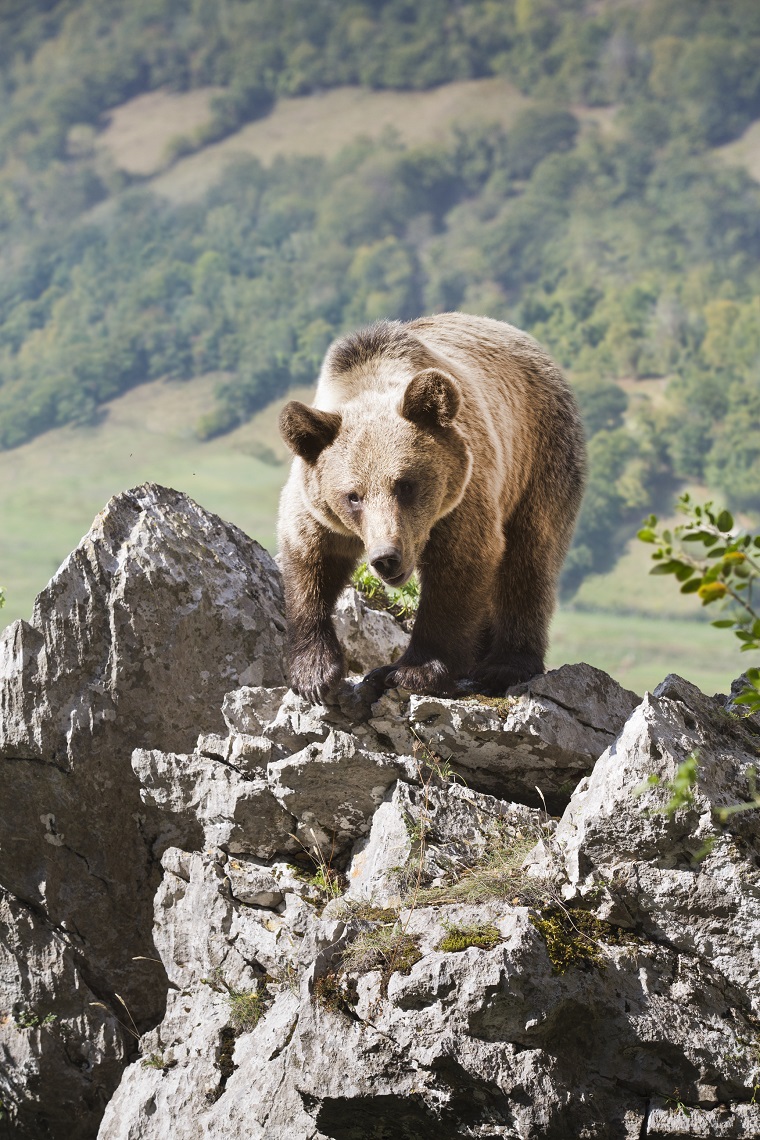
[60,480]
[196,197]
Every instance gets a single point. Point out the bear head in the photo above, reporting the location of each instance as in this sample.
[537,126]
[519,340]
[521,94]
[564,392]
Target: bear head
[386,468]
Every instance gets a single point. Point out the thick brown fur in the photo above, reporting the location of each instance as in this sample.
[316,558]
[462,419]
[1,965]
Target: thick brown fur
[451,444]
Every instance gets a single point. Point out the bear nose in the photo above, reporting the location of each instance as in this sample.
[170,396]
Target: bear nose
[385,561]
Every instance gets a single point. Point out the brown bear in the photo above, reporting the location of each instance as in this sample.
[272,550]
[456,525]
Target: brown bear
[450,444]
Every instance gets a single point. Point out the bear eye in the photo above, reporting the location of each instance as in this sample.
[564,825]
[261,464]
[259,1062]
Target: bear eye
[354,498]
[404,490]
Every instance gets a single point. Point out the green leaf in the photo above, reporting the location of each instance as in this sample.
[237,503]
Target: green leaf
[725,521]
[684,572]
[717,552]
[710,540]
[698,536]
[748,697]
[668,567]
[692,587]
[723,623]
[647,535]
[753,675]
[743,635]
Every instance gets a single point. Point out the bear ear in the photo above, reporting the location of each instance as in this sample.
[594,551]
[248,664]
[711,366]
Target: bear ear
[308,431]
[431,400]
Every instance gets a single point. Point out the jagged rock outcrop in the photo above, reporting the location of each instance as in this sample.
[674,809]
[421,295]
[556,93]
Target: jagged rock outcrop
[160,611]
[608,989]
[394,917]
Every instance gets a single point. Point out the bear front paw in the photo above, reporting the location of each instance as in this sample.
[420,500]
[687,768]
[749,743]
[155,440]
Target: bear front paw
[316,673]
[431,677]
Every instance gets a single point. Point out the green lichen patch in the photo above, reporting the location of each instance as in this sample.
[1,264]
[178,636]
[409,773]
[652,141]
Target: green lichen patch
[503,706]
[575,938]
[459,937]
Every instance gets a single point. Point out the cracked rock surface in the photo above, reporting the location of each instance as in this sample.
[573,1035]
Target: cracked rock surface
[160,610]
[472,1022]
[359,921]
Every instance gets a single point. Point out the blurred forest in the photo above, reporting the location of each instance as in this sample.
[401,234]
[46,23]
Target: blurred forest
[632,252]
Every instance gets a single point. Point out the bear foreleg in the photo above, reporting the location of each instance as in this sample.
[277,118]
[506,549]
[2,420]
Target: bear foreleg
[315,573]
[456,579]
[524,598]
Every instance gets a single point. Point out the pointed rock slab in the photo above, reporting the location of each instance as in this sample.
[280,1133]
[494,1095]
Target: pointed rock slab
[160,610]
[680,876]
[545,734]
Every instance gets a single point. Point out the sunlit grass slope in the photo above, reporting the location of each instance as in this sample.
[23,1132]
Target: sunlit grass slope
[639,651]
[54,486]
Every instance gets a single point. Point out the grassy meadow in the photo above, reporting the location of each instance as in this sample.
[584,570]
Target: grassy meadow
[635,627]
[56,484]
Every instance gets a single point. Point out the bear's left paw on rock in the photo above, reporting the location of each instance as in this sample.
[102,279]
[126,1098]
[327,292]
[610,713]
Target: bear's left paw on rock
[431,677]
[492,679]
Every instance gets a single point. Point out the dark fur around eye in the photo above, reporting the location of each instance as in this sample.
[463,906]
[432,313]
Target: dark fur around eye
[404,491]
[354,498]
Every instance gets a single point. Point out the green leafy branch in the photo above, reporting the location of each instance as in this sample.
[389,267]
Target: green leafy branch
[719,563]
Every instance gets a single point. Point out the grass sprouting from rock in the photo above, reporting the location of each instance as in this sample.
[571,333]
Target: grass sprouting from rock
[498,875]
[246,1007]
[387,948]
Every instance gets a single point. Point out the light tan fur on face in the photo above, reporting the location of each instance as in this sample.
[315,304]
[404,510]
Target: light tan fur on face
[409,456]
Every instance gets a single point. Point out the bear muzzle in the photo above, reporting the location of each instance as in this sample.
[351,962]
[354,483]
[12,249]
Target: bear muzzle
[387,563]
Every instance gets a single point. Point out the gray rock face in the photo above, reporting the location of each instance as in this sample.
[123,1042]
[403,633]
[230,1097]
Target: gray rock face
[369,637]
[641,1019]
[160,611]
[545,734]
[320,921]
[430,832]
[680,878]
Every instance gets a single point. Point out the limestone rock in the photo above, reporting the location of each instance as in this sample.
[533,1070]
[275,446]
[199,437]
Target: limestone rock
[680,877]
[649,1020]
[63,1047]
[213,804]
[370,638]
[544,735]
[321,918]
[161,610]
[333,789]
[421,835]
